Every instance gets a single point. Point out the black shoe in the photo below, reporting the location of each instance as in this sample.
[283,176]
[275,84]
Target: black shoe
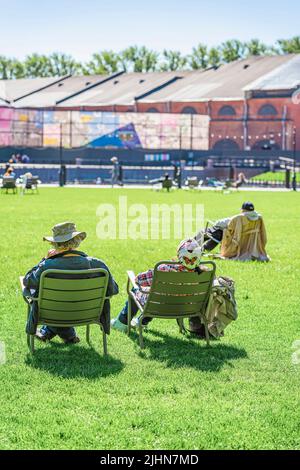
[73,340]
[199,333]
[43,337]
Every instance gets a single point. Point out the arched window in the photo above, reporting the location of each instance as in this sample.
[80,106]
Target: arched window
[267,110]
[152,110]
[188,110]
[227,111]
[226,144]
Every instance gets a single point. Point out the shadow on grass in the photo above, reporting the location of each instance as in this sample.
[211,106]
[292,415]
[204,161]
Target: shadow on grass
[188,352]
[73,361]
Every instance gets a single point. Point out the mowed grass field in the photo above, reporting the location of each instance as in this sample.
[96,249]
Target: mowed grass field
[273,176]
[241,393]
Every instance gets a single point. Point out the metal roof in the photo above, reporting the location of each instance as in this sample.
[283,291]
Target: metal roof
[223,83]
[229,81]
[13,89]
[4,102]
[124,89]
[60,89]
[285,77]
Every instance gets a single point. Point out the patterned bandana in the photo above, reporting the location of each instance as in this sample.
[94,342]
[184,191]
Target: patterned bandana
[189,253]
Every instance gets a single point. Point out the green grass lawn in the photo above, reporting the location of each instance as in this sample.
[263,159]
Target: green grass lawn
[270,176]
[273,176]
[241,393]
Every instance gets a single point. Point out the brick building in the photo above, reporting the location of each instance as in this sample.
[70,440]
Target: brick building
[252,104]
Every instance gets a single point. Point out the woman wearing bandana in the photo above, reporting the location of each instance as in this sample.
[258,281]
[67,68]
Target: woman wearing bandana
[188,256]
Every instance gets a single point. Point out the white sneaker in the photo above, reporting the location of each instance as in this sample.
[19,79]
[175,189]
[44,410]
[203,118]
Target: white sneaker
[135,322]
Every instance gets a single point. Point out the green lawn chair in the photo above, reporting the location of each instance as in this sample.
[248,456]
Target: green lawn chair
[30,184]
[9,183]
[71,298]
[175,295]
[167,184]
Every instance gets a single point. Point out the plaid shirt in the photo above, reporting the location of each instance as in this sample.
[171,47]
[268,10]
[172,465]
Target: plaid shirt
[144,280]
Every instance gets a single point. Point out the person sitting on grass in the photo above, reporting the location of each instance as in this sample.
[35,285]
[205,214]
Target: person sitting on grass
[214,235]
[64,255]
[188,255]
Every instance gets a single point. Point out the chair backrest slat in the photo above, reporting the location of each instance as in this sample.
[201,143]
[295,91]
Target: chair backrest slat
[74,284]
[174,298]
[8,182]
[174,309]
[72,297]
[180,288]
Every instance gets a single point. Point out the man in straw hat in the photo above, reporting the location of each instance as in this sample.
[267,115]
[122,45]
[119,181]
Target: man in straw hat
[64,241]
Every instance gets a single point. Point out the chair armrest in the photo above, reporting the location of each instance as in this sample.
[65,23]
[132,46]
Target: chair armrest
[131,279]
[21,279]
[29,297]
[132,295]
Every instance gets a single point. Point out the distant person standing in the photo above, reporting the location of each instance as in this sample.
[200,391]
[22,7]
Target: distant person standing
[116,172]
[176,173]
[62,175]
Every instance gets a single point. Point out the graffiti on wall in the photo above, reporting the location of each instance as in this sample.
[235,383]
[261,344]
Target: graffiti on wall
[73,129]
[21,127]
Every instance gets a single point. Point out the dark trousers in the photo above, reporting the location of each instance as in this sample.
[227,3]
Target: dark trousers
[64,333]
[123,315]
[216,234]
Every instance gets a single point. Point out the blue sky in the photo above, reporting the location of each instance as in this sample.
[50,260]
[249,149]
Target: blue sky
[80,27]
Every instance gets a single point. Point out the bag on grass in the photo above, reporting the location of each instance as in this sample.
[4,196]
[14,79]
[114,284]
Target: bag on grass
[222,308]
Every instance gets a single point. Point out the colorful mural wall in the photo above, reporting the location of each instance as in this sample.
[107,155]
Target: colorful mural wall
[103,129]
[21,127]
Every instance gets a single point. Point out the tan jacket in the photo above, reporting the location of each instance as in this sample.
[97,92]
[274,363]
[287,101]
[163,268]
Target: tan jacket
[245,239]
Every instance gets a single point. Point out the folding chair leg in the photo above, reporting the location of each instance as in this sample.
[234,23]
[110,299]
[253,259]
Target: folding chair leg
[30,342]
[88,334]
[206,333]
[141,339]
[129,316]
[104,343]
[181,326]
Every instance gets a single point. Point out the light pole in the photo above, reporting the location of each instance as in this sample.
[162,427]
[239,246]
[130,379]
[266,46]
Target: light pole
[294,180]
[62,171]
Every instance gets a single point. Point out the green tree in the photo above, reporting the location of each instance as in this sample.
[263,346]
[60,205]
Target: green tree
[232,50]
[37,65]
[256,47]
[173,60]
[214,57]
[289,46]
[199,57]
[62,64]
[10,68]
[139,59]
[102,63]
